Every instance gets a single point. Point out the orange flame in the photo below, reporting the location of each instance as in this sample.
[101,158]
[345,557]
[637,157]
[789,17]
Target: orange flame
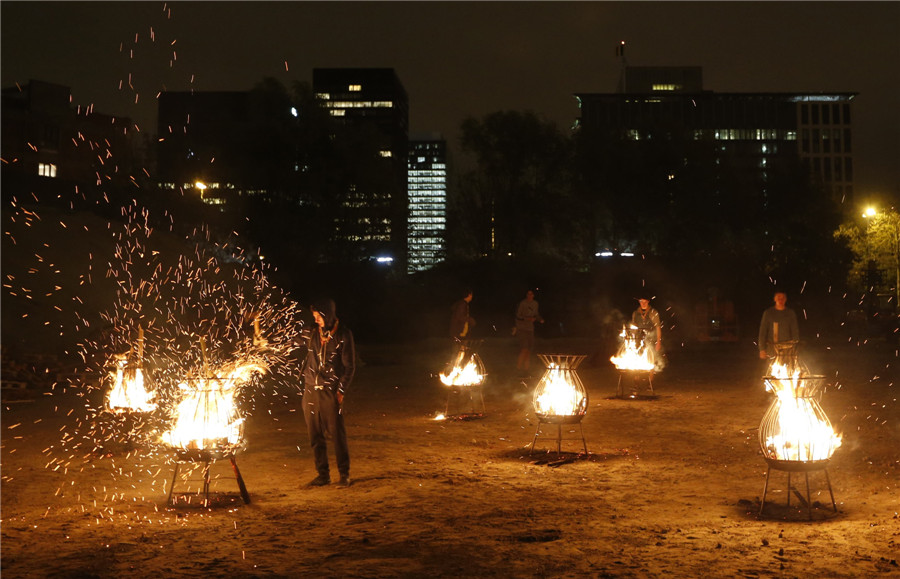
[208,416]
[558,396]
[128,391]
[801,430]
[632,354]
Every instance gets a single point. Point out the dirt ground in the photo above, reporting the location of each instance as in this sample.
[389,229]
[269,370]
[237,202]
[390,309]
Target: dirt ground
[671,485]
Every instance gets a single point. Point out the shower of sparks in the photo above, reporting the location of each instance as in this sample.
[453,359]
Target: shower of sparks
[169,291]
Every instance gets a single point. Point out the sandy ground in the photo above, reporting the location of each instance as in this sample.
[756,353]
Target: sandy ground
[671,485]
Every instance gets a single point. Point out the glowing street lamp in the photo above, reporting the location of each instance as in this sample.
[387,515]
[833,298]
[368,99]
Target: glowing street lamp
[886,228]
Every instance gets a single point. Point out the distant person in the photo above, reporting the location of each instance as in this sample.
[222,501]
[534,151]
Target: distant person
[527,313]
[327,373]
[461,323]
[777,326]
[647,319]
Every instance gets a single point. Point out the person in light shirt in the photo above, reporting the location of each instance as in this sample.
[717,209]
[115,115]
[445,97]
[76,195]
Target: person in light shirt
[647,319]
[527,313]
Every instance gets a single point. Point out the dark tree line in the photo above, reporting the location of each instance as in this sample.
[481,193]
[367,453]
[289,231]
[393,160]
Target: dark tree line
[535,203]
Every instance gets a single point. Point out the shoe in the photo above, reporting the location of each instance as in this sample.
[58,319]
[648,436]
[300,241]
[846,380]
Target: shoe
[345,481]
[319,481]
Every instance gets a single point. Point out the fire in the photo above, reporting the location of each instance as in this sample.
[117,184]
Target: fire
[468,375]
[128,391]
[632,354]
[795,426]
[208,416]
[558,397]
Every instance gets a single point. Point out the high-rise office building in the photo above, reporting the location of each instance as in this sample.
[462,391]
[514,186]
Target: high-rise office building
[426,245]
[373,102]
[753,130]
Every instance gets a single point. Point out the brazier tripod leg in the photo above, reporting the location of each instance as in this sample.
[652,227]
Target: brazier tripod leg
[808,498]
[206,482]
[765,490]
[533,440]
[828,480]
[172,488]
[583,441]
[558,438]
[240,480]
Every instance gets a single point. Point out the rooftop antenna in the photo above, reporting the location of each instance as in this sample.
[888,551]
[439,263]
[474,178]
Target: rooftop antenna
[620,52]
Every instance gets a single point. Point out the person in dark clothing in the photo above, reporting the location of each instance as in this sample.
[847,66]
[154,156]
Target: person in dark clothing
[327,373]
[461,322]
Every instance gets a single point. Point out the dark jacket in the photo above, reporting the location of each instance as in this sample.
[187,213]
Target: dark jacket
[330,359]
[460,321]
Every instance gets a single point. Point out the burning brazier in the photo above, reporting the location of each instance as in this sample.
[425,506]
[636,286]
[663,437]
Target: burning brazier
[208,425]
[128,391]
[560,397]
[787,361]
[635,362]
[464,378]
[795,435]
[129,400]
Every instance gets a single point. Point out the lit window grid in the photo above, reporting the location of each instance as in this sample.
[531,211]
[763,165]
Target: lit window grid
[46,169]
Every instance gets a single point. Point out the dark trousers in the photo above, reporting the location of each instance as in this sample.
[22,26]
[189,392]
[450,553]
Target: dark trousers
[324,418]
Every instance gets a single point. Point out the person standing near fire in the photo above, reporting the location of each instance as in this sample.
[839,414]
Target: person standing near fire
[327,373]
[778,325]
[647,319]
[461,323]
[527,313]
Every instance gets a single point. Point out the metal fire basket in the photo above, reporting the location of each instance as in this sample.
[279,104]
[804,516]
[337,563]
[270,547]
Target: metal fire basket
[633,341]
[787,359]
[807,445]
[635,377]
[207,457]
[470,392]
[206,440]
[560,397]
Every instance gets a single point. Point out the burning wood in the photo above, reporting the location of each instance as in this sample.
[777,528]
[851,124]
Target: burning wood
[560,391]
[208,417]
[466,369]
[634,354]
[787,361]
[128,392]
[795,428]
[560,397]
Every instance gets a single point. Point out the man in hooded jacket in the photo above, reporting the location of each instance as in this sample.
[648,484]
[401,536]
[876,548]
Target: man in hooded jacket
[327,372]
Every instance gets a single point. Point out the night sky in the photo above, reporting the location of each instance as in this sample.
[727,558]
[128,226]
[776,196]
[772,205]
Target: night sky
[459,59]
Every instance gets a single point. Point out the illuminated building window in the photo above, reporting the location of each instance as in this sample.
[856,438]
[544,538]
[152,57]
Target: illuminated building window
[354,87]
[666,87]
[46,169]
[385,153]
[323,95]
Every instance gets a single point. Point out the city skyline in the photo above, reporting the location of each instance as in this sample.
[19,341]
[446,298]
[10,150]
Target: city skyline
[459,59]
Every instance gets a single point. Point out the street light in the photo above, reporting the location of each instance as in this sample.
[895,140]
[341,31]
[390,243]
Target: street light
[886,225]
